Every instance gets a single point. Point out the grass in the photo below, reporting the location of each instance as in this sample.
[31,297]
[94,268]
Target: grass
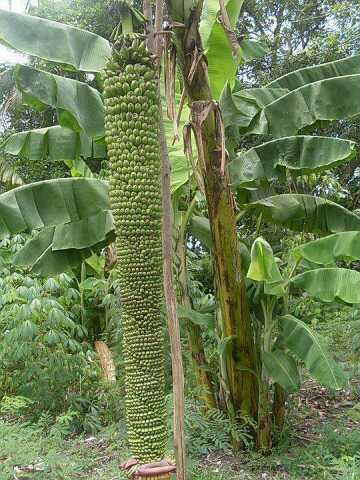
[321,442]
[334,453]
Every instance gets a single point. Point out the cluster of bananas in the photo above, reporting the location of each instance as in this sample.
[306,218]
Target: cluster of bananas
[132,129]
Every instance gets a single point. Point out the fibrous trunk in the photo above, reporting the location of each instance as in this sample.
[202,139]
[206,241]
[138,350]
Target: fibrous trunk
[241,362]
[194,334]
[132,129]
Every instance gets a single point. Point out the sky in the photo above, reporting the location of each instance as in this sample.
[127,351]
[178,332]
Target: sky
[6,55]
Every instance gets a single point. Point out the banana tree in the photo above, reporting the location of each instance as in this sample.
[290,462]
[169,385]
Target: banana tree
[287,110]
[250,111]
[285,339]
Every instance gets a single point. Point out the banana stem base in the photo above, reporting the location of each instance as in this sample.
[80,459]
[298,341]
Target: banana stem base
[157,477]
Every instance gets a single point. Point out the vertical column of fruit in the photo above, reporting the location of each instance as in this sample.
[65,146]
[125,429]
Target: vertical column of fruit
[132,124]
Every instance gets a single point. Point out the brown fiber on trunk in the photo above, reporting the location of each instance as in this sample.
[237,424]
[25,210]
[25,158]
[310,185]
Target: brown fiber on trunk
[242,383]
[194,333]
[279,407]
[106,361]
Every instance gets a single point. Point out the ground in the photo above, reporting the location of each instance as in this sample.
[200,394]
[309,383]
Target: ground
[322,441]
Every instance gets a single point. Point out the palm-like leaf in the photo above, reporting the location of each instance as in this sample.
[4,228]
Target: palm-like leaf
[8,174]
[57,143]
[78,105]
[306,213]
[299,154]
[318,101]
[309,348]
[38,255]
[239,108]
[51,203]
[304,76]
[216,43]
[73,217]
[311,94]
[330,284]
[75,48]
[282,369]
[327,250]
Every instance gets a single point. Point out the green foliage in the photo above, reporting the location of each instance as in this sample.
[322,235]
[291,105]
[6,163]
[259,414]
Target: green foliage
[212,430]
[326,251]
[47,326]
[55,143]
[216,43]
[309,348]
[306,213]
[77,49]
[331,284]
[312,103]
[75,221]
[78,106]
[299,155]
[282,369]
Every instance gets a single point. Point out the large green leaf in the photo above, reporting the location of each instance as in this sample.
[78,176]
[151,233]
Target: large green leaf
[251,50]
[306,213]
[304,76]
[263,268]
[48,253]
[181,170]
[298,337]
[240,108]
[318,101]
[327,250]
[200,229]
[222,64]
[57,143]
[330,284]
[205,320]
[84,233]
[78,105]
[78,168]
[299,154]
[38,255]
[51,203]
[282,369]
[56,42]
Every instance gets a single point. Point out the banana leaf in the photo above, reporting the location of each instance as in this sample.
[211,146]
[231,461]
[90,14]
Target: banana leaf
[57,143]
[216,43]
[251,50]
[282,369]
[326,251]
[40,255]
[78,106]
[312,103]
[74,48]
[51,203]
[37,254]
[263,268]
[330,284]
[240,108]
[300,155]
[205,320]
[305,213]
[84,233]
[304,76]
[199,228]
[302,342]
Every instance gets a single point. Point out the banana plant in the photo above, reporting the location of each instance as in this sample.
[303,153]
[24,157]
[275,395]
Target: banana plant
[286,340]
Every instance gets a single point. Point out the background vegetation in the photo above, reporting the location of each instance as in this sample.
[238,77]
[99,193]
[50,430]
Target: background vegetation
[58,415]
